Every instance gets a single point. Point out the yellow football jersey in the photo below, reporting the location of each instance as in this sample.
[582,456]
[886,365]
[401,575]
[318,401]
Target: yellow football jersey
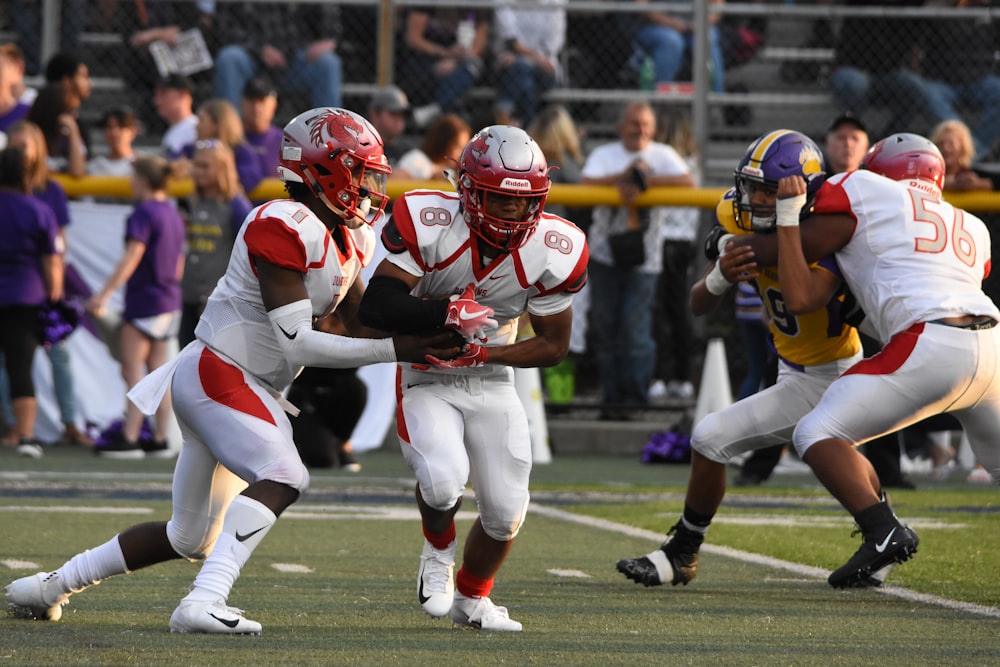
[814,338]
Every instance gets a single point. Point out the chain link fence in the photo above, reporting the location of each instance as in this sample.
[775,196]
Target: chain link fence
[744,68]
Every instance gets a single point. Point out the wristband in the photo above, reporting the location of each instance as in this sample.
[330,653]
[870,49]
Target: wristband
[787,211]
[715,282]
[723,240]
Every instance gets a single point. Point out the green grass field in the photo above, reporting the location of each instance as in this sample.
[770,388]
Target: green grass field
[333,584]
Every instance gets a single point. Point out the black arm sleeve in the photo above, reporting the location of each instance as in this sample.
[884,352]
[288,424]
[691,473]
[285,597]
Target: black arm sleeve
[389,306]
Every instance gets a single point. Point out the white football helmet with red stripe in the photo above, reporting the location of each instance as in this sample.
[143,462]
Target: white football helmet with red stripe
[905,156]
[339,156]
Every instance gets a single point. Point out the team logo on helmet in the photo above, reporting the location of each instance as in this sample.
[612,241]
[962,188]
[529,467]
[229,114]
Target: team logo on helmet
[480,144]
[339,125]
[811,161]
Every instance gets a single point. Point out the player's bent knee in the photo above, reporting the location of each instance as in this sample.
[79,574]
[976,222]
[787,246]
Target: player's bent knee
[501,531]
[190,546]
[441,497]
[708,434]
[287,472]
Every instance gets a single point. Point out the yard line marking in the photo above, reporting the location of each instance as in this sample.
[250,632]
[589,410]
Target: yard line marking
[577,574]
[294,568]
[72,509]
[767,561]
[14,564]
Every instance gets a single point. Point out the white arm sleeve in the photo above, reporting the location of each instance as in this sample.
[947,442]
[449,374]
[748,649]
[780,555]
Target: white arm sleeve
[304,346]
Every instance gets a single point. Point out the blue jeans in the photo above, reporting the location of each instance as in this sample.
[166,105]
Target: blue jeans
[453,86]
[234,66]
[667,48]
[905,94]
[982,95]
[520,85]
[621,309]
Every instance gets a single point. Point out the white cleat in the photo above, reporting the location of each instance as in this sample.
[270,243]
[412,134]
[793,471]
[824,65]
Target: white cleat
[195,616]
[482,614]
[435,580]
[39,596]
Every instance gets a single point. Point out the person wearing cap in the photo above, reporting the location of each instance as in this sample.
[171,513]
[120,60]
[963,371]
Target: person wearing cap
[297,42]
[258,106]
[175,104]
[846,143]
[387,112]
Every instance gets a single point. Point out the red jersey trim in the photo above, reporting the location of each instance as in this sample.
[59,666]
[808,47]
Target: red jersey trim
[404,225]
[401,430]
[892,356]
[225,385]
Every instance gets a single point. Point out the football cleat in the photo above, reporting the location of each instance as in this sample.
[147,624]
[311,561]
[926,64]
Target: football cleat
[196,616]
[895,544]
[675,562]
[39,596]
[482,614]
[435,580]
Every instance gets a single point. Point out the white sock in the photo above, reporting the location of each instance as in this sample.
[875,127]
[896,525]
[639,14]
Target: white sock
[92,566]
[246,523]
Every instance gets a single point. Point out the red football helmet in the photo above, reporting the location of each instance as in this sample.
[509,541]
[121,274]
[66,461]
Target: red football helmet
[502,160]
[906,156]
[338,155]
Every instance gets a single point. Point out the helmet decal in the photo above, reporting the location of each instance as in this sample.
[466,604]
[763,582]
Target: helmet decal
[339,126]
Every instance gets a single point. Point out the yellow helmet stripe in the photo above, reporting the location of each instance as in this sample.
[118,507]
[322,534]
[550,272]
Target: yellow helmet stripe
[764,144]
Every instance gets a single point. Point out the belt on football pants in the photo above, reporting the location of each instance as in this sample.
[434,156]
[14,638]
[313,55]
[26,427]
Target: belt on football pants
[978,325]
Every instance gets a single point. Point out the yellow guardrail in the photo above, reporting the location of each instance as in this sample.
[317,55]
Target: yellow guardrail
[571,195]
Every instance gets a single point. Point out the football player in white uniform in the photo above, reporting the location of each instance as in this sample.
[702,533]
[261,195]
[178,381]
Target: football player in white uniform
[915,264]
[294,260]
[491,246]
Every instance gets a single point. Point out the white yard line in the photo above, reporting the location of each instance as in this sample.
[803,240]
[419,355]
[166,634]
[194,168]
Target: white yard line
[767,561]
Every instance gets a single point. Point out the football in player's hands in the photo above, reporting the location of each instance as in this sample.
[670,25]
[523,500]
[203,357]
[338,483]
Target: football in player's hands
[472,356]
[467,316]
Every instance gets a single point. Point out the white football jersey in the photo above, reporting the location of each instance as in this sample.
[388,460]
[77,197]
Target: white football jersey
[287,234]
[913,257]
[539,278]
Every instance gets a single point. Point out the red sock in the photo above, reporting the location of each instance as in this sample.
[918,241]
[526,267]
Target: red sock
[472,586]
[440,541]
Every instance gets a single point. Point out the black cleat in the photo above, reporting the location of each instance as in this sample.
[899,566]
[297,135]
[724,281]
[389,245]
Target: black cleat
[894,544]
[675,562]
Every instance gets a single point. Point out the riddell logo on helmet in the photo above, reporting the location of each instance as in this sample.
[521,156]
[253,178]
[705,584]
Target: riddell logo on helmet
[515,184]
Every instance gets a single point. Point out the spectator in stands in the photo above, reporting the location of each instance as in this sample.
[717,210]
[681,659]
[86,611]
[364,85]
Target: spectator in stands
[213,215]
[527,62]
[846,143]
[625,257]
[151,269]
[448,43]
[954,139]
[292,43]
[26,19]
[958,62]
[219,121]
[438,152]
[668,40]
[672,325]
[875,64]
[174,100]
[119,127]
[12,107]
[387,111]
[557,134]
[30,276]
[28,137]
[143,24]
[258,105]
[65,147]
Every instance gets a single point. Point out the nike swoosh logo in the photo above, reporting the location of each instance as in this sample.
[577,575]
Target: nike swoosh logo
[885,543]
[417,384]
[229,623]
[466,315]
[288,335]
[502,275]
[420,591]
[244,538]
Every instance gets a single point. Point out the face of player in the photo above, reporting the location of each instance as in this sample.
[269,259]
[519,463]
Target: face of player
[506,207]
[762,198]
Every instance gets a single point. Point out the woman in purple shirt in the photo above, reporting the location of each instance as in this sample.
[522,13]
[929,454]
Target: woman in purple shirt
[30,276]
[151,270]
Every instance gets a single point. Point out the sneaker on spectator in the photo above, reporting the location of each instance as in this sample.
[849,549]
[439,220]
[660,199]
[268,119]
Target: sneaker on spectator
[120,448]
[680,389]
[157,449]
[29,447]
